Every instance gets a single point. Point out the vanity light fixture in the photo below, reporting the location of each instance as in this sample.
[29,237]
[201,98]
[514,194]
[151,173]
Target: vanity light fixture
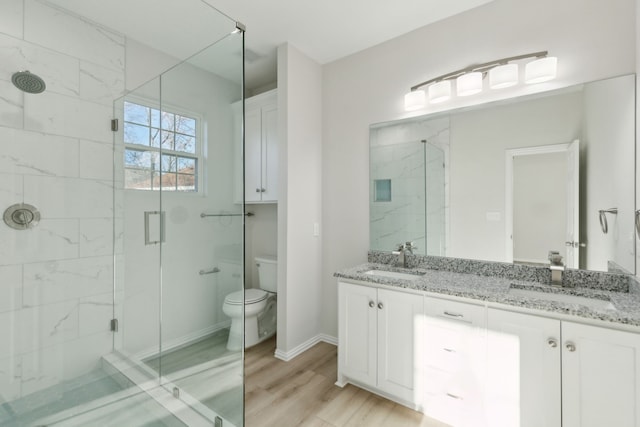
[469,81]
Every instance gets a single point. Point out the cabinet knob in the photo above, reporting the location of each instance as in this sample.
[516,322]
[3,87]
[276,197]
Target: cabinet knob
[552,342]
[262,190]
[570,346]
[372,304]
[380,305]
[257,190]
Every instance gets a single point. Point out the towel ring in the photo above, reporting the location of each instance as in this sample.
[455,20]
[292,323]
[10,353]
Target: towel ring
[603,218]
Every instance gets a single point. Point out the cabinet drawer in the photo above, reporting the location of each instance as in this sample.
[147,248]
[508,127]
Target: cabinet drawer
[461,312]
[447,357]
[454,399]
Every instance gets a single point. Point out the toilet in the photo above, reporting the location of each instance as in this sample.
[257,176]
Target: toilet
[259,307]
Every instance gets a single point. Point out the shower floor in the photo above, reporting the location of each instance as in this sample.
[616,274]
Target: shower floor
[126,393]
[208,372]
[91,399]
[193,354]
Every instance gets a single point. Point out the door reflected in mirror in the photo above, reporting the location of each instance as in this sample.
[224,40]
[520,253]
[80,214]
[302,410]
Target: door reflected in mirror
[450,191]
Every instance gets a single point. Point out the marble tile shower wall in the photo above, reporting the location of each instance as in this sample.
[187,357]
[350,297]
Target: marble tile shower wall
[56,153]
[397,153]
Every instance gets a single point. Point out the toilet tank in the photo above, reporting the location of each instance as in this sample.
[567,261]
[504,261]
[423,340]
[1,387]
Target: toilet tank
[267,273]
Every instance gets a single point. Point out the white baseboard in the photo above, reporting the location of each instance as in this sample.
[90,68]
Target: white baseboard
[289,355]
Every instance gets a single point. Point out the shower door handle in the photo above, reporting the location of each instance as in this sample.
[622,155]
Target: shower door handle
[159,237]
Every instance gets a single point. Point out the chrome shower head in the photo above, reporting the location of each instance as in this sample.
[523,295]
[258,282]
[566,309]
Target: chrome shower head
[28,82]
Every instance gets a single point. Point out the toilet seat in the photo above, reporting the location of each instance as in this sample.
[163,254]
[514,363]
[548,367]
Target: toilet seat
[251,296]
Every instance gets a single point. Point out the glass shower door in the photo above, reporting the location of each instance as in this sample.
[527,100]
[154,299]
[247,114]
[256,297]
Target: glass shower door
[204,229]
[183,228]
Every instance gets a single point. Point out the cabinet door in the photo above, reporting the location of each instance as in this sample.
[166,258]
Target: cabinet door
[357,333]
[523,379]
[269,160]
[252,154]
[600,371]
[400,319]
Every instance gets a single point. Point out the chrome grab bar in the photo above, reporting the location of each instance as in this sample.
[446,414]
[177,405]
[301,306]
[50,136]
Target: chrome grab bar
[603,218]
[213,270]
[204,215]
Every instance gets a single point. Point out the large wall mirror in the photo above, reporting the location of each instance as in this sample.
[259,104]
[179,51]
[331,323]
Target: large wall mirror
[512,180]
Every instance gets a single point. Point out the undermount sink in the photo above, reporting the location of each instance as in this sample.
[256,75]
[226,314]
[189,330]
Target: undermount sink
[394,274]
[563,297]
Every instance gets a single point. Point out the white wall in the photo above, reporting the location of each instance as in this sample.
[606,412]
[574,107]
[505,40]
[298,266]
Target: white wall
[592,40]
[56,154]
[299,204]
[609,122]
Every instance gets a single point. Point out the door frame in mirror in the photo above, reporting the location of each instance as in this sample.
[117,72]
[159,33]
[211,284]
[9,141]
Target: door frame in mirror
[573,158]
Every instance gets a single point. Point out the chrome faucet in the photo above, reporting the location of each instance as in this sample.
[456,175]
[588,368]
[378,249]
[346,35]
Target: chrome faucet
[401,251]
[557,268]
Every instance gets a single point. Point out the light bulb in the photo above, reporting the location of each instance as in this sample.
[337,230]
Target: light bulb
[440,91]
[469,84]
[541,70]
[503,76]
[415,100]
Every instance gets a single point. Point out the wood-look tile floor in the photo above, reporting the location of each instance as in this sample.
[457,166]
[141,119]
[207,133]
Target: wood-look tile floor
[302,392]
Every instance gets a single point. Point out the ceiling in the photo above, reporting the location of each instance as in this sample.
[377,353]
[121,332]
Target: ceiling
[324,30]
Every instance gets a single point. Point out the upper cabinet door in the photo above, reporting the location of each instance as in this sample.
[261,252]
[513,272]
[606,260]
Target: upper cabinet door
[600,378]
[252,155]
[269,175]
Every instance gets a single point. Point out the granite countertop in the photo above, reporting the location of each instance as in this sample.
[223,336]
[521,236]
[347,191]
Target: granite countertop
[496,289]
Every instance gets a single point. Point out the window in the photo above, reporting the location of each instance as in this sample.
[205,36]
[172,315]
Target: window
[161,149]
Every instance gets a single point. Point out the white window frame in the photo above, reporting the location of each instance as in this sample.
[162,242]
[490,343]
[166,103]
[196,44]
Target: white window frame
[199,154]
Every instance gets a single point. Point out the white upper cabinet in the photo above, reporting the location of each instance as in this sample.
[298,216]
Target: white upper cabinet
[261,149]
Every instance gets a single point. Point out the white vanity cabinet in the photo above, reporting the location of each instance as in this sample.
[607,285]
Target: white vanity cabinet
[260,149]
[379,335]
[481,365]
[547,372]
[454,361]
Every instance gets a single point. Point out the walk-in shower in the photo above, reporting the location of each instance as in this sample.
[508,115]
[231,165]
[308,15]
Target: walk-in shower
[111,279]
